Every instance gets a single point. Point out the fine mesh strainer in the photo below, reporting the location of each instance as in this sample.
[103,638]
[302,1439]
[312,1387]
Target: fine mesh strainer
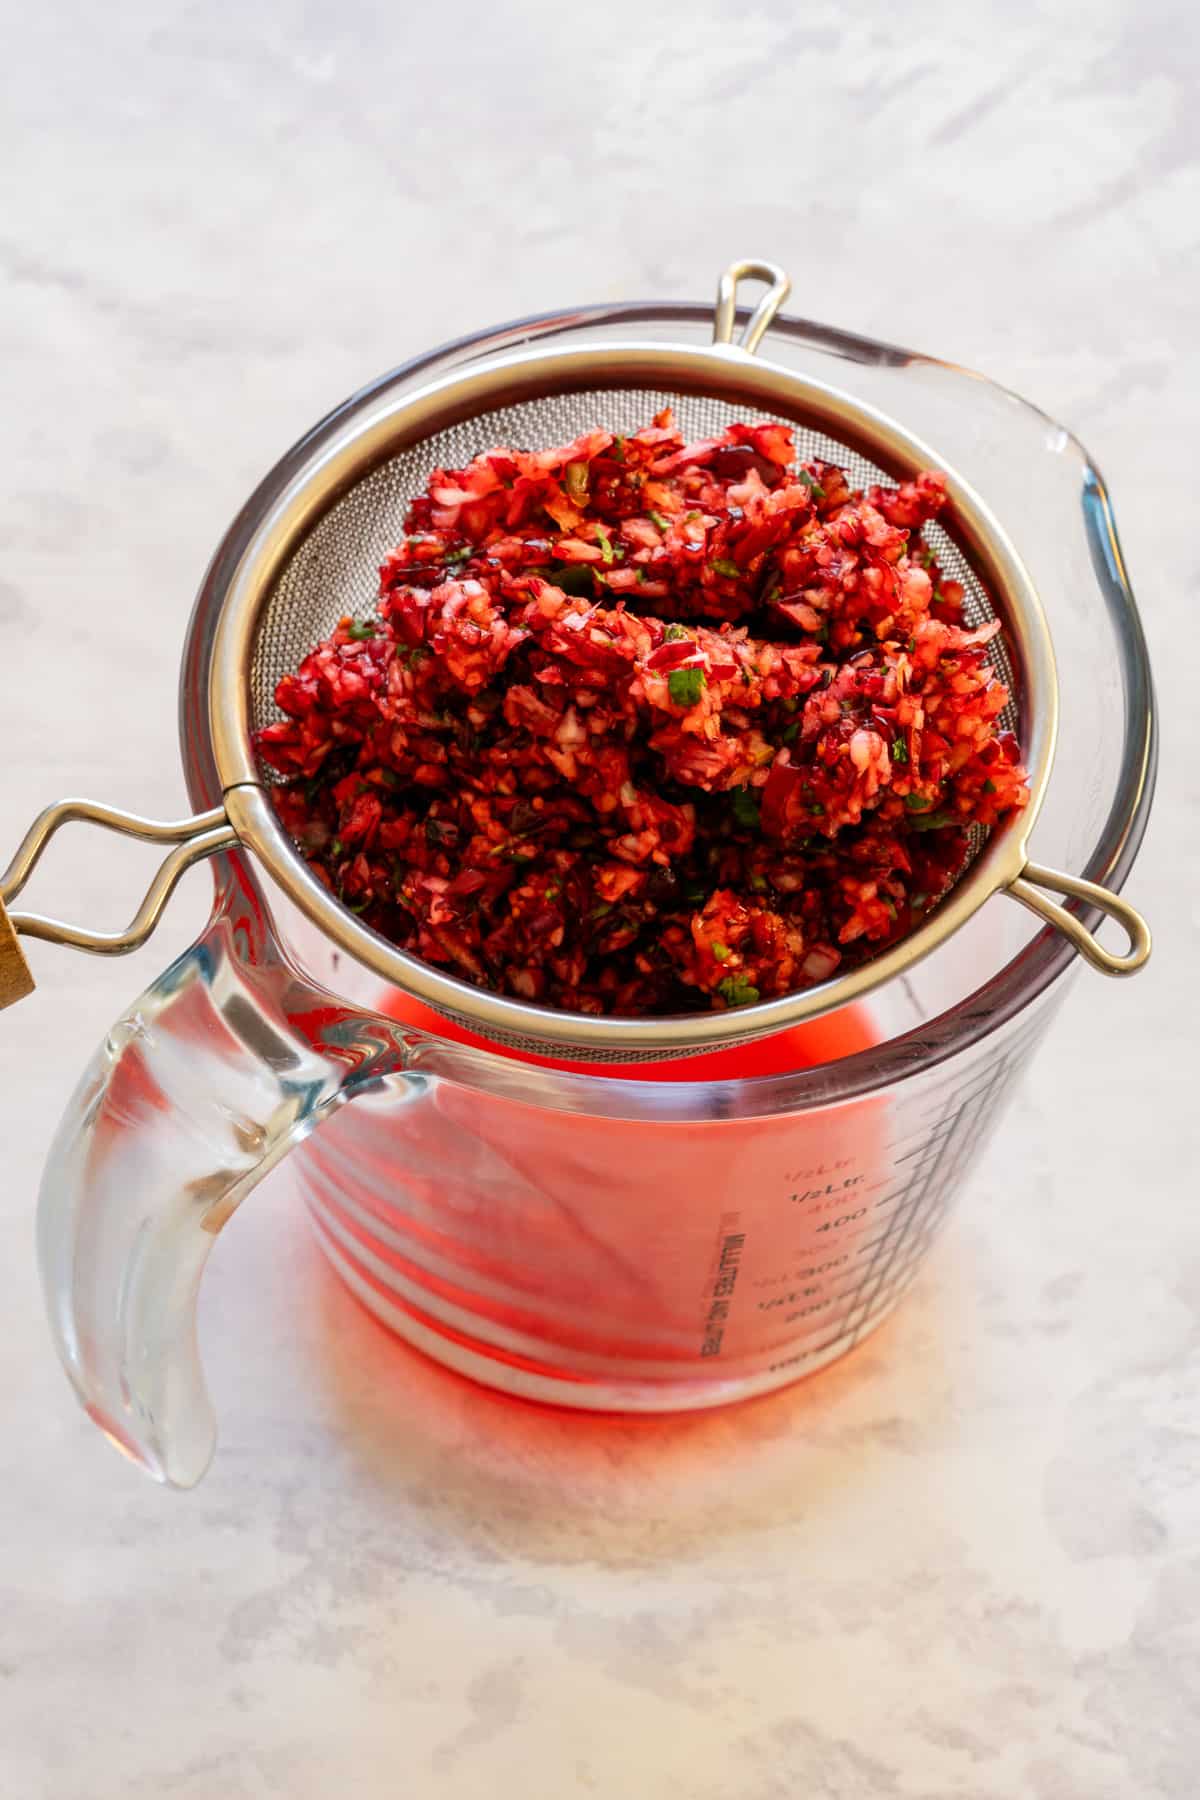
[313,556]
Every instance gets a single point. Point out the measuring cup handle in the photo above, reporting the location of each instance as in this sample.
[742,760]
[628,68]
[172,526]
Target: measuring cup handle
[1027,889]
[225,1062]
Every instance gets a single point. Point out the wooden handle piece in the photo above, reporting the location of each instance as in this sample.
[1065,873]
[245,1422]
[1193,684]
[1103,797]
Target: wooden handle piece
[15,978]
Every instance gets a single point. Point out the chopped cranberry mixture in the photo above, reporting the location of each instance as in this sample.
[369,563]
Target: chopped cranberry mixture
[645,726]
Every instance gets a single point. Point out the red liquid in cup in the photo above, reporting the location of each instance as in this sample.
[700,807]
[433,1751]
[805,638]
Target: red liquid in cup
[661,1257]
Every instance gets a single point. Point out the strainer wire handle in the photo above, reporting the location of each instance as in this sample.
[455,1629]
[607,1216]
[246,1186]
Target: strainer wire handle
[1027,889]
[193,838]
[725,317]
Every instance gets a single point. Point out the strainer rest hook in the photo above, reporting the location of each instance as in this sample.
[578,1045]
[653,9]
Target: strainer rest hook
[779,286]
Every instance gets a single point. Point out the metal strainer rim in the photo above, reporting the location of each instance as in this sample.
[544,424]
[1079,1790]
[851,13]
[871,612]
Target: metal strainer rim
[386,425]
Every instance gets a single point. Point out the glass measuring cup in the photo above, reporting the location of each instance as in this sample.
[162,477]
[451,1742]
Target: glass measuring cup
[646,1239]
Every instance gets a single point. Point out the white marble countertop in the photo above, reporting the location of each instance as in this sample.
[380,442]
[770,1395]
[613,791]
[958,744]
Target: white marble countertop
[967,1563]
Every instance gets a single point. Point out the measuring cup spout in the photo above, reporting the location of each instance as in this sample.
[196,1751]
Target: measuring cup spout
[224,1063]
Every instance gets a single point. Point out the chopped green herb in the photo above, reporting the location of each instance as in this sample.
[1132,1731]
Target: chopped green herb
[926,559]
[689,518]
[463,554]
[685,686]
[889,907]
[722,952]
[899,751]
[934,821]
[725,565]
[772,593]
[811,482]
[618,449]
[675,633]
[601,909]
[918,901]
[745,806]
[575,481]
[759,883]
[791,732]
[989,786]
[657,520]
[695,895]
[360,630]
[573,578]
[736,990]
[916,804]
[605,543]
[815,808]
[552,893]
[337,849]
[357,906]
